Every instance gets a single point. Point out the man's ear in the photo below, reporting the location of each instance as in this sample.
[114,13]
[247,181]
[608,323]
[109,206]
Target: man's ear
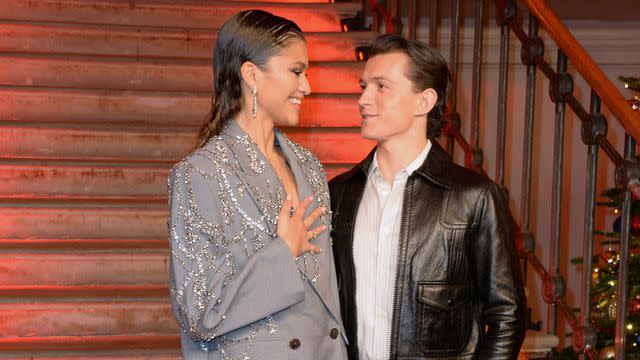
[426,101]
[248,71]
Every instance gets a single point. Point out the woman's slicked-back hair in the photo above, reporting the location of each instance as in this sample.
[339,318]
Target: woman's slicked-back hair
[426,69]
[251,35]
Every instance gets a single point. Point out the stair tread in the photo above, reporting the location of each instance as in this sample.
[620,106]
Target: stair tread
[86,245]
[208,14]
[105,293]
[95,317]
[82,72]
[140,42]
[91,344]
[166,146]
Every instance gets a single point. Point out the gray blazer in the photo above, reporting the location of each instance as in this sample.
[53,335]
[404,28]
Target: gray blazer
[236,291]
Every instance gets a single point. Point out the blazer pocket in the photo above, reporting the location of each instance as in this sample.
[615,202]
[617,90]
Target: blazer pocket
[444,317]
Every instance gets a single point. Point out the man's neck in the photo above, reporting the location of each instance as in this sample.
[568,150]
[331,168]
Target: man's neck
[394,156]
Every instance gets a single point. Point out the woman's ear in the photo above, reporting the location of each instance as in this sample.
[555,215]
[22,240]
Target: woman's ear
[248,72]
[426,101]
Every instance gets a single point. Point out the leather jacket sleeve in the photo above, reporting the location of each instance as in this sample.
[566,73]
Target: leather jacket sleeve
[498,279]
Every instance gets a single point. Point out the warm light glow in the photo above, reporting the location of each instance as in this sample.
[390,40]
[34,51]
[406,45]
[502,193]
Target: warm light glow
[345,28]
[596,270]
[615,211]
[360,55]
[629,327]
[611,283]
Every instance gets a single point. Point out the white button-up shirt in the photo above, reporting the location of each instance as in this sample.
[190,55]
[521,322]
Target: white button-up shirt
[375,249]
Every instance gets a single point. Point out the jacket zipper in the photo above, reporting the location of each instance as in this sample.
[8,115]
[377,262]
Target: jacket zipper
[394,316]
[353,273]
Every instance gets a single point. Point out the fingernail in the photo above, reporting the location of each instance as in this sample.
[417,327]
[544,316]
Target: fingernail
[288,197]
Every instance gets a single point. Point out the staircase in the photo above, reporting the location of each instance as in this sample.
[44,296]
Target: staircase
[98,98]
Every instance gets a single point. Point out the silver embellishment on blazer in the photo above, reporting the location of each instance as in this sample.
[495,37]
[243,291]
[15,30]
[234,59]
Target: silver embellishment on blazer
[205,244]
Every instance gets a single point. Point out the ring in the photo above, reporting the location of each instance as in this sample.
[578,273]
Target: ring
[313,234]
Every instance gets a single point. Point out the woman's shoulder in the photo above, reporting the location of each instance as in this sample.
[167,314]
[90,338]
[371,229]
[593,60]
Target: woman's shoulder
[205,159]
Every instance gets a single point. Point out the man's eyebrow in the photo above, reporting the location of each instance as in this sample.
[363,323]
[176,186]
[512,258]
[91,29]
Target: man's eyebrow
[377,78]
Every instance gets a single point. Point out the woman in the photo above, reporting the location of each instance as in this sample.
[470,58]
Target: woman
[252,273]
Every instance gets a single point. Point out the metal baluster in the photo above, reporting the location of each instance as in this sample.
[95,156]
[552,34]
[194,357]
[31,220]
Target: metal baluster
[433,23]
[589,223]
[502,102]
[528,138]
[453,68]
[623,264]
[412,17]
[558,154]
[475,91]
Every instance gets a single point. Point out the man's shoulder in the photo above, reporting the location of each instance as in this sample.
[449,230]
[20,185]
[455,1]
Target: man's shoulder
[344,177]
[464,178]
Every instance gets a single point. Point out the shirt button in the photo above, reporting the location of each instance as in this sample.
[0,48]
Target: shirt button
[294,344]
[334,333]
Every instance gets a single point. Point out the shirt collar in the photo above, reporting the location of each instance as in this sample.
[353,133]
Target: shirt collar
[413,166]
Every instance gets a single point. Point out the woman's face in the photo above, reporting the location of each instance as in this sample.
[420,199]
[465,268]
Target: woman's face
[283,85]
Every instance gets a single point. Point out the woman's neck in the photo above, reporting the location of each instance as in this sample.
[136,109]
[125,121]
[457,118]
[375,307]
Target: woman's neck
[260,131]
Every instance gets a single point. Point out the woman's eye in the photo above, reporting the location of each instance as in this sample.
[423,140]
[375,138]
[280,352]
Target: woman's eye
[298,72]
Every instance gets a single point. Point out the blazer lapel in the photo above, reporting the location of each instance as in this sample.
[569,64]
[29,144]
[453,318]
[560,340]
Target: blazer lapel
[257,177]
[310,184]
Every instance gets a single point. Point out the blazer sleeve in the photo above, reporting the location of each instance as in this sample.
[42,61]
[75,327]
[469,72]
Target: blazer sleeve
[498,280]
[211,294]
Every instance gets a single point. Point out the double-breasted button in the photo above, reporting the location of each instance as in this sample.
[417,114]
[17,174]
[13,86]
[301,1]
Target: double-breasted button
[334,333]
[294,343]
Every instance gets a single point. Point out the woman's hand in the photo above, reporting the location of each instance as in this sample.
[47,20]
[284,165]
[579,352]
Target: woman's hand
[295,230]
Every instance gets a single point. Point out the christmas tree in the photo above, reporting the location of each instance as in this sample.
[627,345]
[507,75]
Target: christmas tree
[605,271]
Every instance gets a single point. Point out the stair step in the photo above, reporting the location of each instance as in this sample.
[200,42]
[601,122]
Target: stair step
[24,181]
[157,75]
[139,42]
[121,347]
[32,270]
[41,293]
[331,147]
[153,108]
[172,13]
[83,223]
[146,355]
[122,245]
[83,182]
[87,318]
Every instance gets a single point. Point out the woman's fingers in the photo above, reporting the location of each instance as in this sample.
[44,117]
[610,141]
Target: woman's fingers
[313,216]
[302,207]
[315,249]
[312,234]
[285,210]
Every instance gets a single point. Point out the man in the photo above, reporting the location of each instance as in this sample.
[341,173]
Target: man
[425,253]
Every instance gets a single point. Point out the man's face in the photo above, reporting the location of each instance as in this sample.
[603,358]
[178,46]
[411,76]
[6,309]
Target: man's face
[388,103]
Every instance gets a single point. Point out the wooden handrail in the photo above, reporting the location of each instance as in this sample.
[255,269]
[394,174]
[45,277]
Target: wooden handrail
[585,65]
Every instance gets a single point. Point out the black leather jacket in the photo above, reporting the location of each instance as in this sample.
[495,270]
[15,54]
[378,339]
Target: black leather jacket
[458,292]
